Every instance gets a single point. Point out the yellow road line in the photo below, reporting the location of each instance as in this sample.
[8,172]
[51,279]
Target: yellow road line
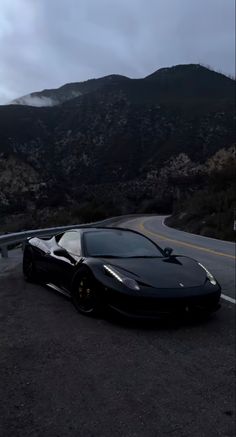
[181,243]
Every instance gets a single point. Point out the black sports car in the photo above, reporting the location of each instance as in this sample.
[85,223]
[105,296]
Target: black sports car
[101,268]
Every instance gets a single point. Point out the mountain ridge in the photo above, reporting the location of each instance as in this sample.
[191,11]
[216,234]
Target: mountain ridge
[166,77]
[66,92]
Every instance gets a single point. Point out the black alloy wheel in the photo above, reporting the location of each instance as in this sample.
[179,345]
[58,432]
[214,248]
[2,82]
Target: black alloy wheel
[85,296]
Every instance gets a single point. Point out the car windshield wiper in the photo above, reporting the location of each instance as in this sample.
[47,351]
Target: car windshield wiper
[107,256]
[145,256]
[126,257]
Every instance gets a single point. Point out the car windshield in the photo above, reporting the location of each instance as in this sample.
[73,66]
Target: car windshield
[118,243]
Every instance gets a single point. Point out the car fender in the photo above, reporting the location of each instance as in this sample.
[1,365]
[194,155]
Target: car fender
[106,282]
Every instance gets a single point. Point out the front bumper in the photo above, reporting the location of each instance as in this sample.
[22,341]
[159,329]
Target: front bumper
[164,307]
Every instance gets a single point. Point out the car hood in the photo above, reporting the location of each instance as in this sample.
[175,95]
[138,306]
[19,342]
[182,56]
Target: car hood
[173,272]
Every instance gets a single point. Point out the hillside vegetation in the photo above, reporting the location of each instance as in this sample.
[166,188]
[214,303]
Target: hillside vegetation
[211,210]
[115,145]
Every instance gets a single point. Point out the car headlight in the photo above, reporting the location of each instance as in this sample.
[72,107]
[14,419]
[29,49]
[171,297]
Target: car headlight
[209,275]
[129,282]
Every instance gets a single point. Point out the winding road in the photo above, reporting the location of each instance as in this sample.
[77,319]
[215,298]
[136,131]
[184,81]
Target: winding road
[66,375]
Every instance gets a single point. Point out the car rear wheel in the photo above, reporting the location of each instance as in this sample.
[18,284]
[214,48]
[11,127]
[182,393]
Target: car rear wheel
[29,269]
[85,295]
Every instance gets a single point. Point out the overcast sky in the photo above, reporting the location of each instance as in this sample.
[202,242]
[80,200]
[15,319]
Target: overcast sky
[46,43]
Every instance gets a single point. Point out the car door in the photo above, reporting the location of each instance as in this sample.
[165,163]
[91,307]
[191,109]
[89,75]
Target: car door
[65,256]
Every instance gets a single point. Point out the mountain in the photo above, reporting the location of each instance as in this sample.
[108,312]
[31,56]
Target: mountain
[180,83]
[53,97]
[122,145]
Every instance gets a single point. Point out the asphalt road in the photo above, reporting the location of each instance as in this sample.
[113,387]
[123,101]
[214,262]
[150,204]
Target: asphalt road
[63,374]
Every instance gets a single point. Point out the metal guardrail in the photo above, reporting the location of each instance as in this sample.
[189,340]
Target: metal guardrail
[7,240]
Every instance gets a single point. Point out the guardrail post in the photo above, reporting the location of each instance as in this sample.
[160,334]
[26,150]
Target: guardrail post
[4,251]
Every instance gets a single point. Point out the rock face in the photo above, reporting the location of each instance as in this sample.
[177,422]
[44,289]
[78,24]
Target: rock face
[115,138]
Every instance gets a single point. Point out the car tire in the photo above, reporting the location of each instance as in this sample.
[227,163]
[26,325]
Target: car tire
[86,296]
[29,269]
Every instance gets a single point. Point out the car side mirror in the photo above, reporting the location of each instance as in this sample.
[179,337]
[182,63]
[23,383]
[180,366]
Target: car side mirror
[168,251]
[60,252]
[64,254]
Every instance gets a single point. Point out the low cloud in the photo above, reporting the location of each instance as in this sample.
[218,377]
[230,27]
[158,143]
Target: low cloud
[34,101]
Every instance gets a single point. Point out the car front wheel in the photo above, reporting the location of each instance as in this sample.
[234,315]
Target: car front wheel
[85,295]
